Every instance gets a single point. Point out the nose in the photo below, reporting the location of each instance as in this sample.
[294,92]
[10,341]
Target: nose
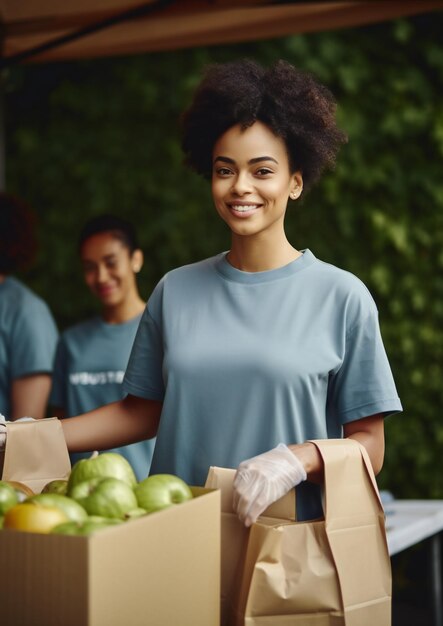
[102,274]
[241,184]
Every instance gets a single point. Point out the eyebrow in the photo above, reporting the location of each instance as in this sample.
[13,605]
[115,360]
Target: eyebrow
[250,162]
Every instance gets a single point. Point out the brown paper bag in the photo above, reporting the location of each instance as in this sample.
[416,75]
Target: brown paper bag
[234,537]
[329,572]
[35,453]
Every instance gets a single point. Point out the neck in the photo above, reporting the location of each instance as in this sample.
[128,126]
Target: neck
[124,312]
[257,255]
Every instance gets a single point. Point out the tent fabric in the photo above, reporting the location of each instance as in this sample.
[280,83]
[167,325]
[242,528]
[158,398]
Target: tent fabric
[30,24]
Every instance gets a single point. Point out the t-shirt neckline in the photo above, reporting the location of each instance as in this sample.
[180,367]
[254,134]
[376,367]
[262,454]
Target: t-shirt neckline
[122,325]
[223,266]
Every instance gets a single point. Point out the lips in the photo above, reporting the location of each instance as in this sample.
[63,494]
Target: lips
[105,291]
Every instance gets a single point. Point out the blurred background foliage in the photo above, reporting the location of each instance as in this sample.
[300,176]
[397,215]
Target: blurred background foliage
[103,135]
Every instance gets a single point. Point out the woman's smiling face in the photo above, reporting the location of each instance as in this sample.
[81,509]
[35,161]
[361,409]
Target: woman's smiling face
[251,179]
[108,269]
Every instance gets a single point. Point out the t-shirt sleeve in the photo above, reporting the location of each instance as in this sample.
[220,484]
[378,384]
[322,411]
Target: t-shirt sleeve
[33,341]
[143,377]
[59,376]
[363,385]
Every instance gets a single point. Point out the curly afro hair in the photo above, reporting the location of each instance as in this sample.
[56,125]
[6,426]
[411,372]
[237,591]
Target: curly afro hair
[18,244]
[289,101]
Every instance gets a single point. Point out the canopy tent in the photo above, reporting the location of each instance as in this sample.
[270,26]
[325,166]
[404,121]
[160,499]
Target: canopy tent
[55,30]
[51,30]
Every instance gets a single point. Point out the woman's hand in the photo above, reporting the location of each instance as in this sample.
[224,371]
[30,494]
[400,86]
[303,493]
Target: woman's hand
[263,479]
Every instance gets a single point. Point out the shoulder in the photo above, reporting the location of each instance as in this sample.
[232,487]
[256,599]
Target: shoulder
[19,294]
[192,270]
[343,293]
[25,311]
[185,279]
[342,282]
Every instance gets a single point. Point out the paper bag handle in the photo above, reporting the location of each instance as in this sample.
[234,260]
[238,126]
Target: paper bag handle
[343,466]
[355,529]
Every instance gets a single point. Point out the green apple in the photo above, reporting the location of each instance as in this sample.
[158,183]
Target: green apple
[56,486]
[107,497]
[135,513]
[8,497]
[160,491]
[87,527]
[106,465]
[72,509]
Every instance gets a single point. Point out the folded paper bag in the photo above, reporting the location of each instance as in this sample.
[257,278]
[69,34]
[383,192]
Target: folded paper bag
[234,536]
[35,453]
[331,571]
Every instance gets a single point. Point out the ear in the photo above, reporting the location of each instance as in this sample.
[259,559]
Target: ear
[137,261]
[296,186]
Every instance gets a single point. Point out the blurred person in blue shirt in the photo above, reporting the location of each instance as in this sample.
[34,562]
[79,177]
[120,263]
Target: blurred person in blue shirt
[28,333]
[92,356]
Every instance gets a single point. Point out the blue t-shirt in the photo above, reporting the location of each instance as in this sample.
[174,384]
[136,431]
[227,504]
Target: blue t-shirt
[89,367]
[243,361]
[28,337]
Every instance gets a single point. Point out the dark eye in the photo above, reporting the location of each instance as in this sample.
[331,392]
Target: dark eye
[263,171]
[223,171]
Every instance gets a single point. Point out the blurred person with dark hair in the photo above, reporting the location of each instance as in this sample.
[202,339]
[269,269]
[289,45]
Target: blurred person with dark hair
[28,333]
[92,355]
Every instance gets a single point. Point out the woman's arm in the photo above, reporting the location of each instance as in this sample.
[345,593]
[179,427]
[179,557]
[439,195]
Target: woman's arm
[113,425]
[29,396]
[368,431]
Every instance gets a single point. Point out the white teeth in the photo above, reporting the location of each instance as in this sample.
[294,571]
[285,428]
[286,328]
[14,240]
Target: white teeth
[243,209]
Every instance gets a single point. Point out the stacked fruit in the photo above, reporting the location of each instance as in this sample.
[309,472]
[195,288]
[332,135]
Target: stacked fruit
[101,491]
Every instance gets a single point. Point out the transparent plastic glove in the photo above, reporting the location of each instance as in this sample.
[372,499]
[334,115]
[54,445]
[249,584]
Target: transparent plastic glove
[3,428]
[262,480]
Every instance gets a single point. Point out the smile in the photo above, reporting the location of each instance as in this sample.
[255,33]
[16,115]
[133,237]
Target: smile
[243,210]
[104,291]
[244,207]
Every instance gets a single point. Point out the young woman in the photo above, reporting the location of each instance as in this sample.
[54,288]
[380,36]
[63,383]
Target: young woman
[28,334]
[242,358]
[92,356]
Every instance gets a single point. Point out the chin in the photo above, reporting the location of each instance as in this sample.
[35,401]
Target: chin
[110,302]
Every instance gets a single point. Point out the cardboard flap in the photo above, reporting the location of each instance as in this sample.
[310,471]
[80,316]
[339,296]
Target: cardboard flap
[35,453]
[223,479]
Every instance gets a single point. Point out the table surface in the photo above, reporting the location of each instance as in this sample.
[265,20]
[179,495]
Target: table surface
[410,521]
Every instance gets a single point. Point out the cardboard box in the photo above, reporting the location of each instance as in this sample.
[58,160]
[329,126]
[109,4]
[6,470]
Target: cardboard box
[158,570]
